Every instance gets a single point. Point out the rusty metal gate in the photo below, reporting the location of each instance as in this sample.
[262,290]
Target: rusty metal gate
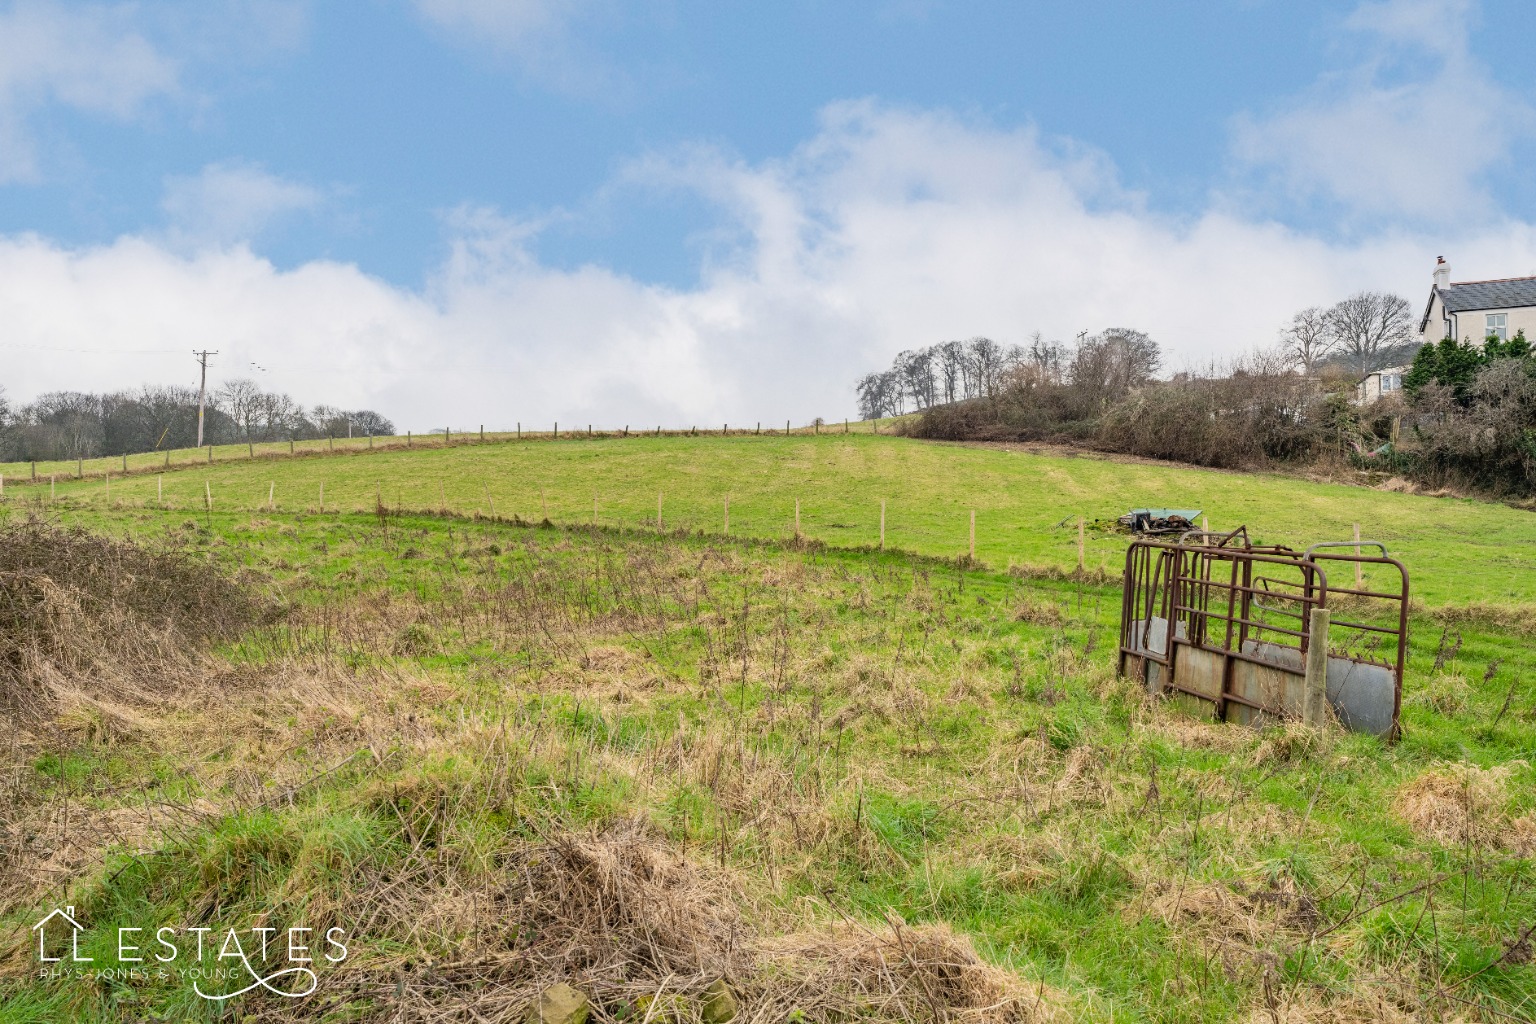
[1217,617]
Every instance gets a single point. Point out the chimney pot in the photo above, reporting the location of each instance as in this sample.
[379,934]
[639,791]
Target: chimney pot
[1442,272]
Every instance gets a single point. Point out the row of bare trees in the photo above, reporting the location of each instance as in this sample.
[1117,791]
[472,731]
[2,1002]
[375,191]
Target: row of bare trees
[1106,364]
[950,371]
[78,424]
[1364,332]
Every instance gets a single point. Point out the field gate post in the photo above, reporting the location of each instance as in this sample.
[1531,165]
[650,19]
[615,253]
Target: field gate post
[1315,699]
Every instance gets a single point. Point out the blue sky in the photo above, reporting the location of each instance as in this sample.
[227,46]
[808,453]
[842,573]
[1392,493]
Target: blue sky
[536,209]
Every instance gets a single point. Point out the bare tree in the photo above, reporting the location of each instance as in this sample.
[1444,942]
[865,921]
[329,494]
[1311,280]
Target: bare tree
[916,369]
[1046,356]
[879,395]
[370,422]
[1366,324]
[986,358]
[241,399]
[951,356]
[1309,337]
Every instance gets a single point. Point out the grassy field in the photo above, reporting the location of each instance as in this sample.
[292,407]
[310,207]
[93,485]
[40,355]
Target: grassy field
[1458,551]
[856,785]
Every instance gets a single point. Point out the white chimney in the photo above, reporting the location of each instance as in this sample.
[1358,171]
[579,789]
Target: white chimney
[1442,272]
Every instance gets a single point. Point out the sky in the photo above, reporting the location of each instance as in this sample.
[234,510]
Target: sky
[683,213]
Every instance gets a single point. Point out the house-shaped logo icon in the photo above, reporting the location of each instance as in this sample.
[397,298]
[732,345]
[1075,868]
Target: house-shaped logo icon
[68,914]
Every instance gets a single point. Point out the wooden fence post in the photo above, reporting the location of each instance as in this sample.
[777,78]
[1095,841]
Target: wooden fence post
[250,452]
[482,433]
[786,428]
[543,504]
[207,496]
[271,493]
[125,462]
[80,464]
[1359,570]
[1080,544]
[160,491]
[1315,697]
[322,495]
[489,504]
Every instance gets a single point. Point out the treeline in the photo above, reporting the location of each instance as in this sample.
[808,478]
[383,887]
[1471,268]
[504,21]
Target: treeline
[1465,417]
[955,371]
[83,425]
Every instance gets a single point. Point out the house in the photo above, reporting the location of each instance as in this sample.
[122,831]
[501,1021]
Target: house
[1379,384]
[1473,310]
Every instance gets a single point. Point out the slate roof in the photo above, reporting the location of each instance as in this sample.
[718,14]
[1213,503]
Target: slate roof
[1506,293]
[1512,291]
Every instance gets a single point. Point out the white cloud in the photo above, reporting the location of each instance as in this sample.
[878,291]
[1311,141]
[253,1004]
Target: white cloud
[88,57]
[1412,129]
[231,202]
[889,228]
[538,36]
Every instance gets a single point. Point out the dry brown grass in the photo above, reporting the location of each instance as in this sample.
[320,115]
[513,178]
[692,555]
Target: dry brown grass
[621,916]
[1460,804]
[104,628]
[1245,924]
[1507,618]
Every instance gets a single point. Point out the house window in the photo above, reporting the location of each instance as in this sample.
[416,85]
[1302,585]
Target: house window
[1498,326]
[1389,382]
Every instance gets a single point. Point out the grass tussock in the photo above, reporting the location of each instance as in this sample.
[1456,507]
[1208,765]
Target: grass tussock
[621,916]
[1461,805]
[102,628]
[1509,617]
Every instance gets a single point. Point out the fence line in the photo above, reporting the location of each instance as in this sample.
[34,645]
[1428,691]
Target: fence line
[20,474]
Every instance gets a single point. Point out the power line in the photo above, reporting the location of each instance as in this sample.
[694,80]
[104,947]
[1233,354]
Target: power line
[94,351]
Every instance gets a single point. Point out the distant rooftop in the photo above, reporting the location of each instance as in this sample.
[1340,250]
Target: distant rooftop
[1504,293]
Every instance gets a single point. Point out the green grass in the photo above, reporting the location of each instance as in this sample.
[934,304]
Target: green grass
[849,730]
[1457,551]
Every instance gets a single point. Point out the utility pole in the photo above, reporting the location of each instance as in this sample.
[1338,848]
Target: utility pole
[202,390]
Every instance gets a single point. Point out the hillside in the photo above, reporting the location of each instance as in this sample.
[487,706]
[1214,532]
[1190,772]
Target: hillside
[1458,551]
[844,784]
